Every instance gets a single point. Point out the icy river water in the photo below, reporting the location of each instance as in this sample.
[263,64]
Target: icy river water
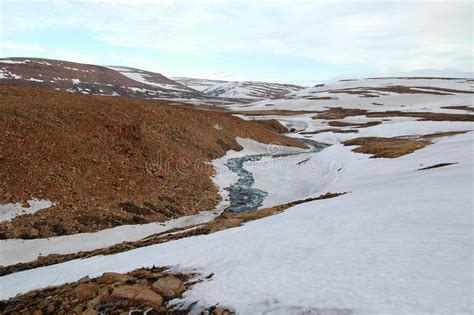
[243,197]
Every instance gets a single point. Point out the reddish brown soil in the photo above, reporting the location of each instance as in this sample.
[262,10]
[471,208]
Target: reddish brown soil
[274,125]
[273,112]
[340,113]
[381,147]
[424,115]
[460,107]
[333,130]
[109,161]
[394,147]
[356,125]
[399,89]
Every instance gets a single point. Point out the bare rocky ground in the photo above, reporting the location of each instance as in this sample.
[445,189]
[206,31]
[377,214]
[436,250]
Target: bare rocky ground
[109,161]
[143,291]
[341,113]
[383,147]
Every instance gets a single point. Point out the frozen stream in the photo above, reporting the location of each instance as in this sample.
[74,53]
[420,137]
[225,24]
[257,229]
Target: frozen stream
[243,197]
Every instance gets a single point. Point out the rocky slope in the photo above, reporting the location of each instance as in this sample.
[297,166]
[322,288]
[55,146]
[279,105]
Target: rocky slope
[109,161]
[90,79]
[143,291]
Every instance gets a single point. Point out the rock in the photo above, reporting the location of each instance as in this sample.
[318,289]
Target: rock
[34,232]
[138,293]
[17,232]
[37,312]
[125,292]
[84,279]
[217,310]
[143,282]
[113,277]
[149,296]
[50,308]
[25,204]
[98,300]
[89,312]
[169,286]
[86,291]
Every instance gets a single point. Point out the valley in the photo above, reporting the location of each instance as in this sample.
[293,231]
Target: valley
[258,197]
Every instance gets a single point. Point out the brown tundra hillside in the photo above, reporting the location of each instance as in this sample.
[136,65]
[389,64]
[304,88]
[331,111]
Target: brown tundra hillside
[101,159]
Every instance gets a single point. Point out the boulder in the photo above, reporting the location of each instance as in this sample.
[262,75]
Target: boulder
[221,311]
[101,298]
[138,293]
[86,291]
[89,312]
[113,277]
[169,286]
[34,232]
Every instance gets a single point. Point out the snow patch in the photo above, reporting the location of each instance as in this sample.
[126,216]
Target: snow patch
[11,210]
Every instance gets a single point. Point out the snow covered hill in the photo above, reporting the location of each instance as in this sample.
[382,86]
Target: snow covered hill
[133,82]
[152,78]
[425,94]
[240,89]
[198,84]
[91,79]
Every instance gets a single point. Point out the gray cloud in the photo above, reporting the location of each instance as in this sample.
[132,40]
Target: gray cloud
[382,36]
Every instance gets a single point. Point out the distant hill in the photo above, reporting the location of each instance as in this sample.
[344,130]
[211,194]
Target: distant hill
[240,89]
[90,79]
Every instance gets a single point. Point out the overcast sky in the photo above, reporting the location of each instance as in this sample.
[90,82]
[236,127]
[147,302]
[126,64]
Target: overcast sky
[303,42]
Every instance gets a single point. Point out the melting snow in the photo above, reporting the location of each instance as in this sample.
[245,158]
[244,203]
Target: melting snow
[12,61]
[35,80]
[143,78]
[11,210]
[5,74]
